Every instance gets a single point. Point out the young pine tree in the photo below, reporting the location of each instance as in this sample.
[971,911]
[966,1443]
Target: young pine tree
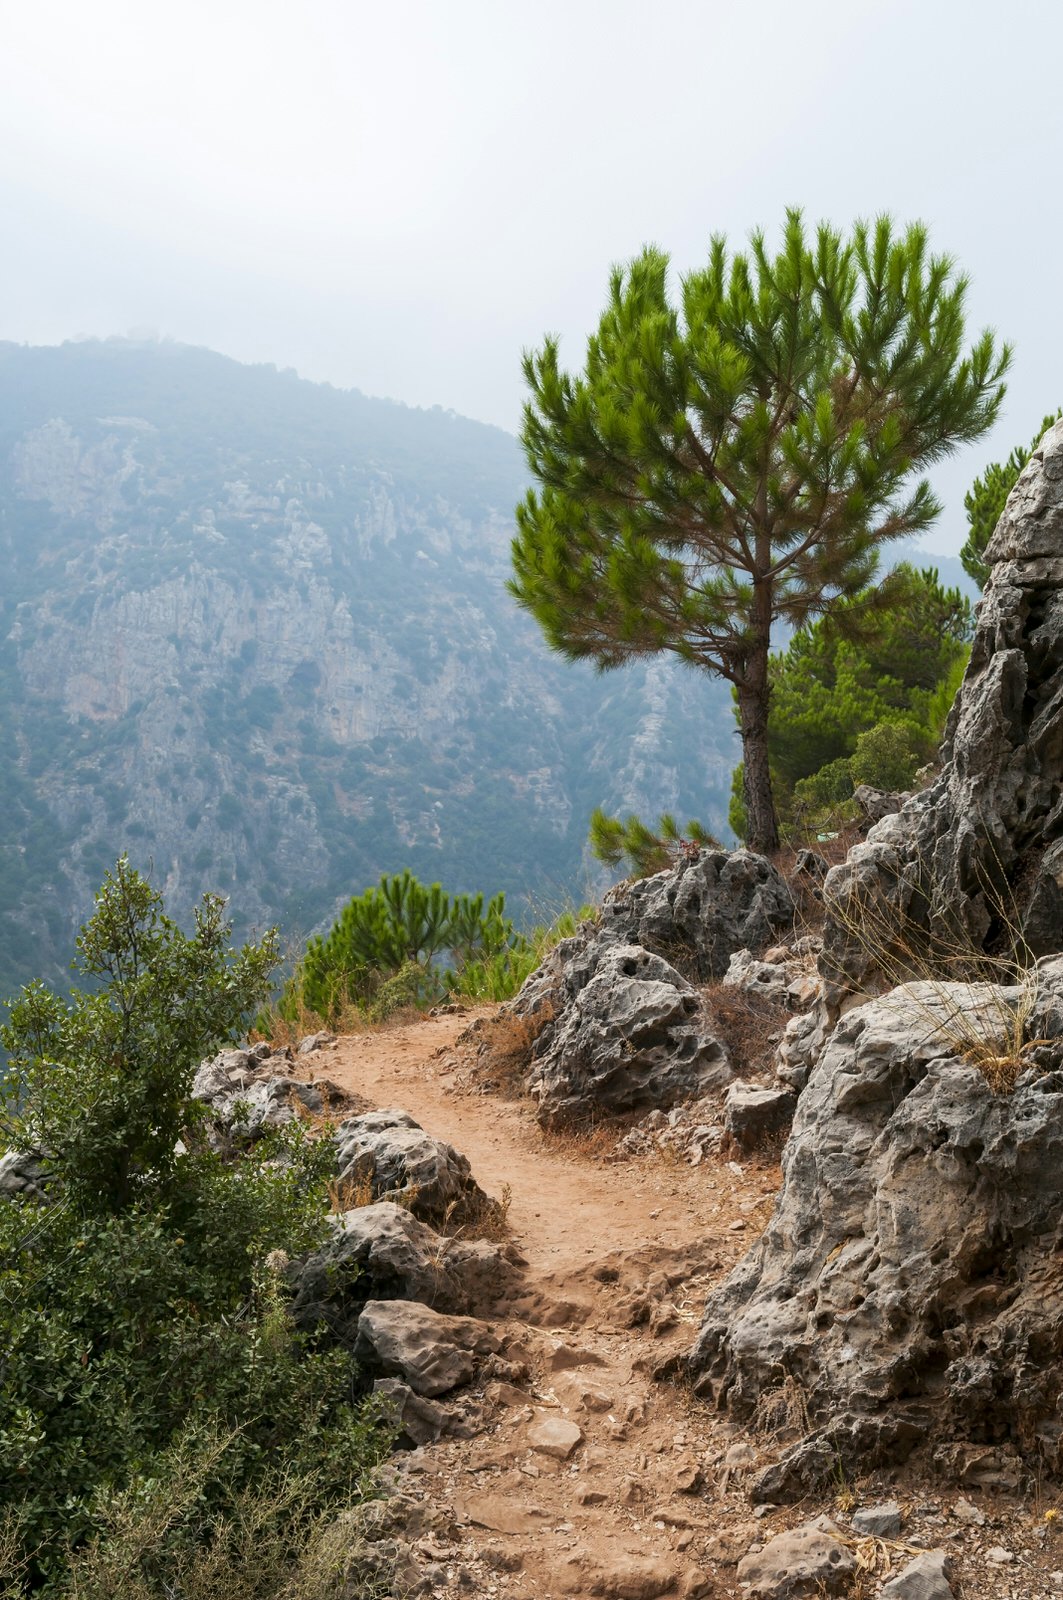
[737,458]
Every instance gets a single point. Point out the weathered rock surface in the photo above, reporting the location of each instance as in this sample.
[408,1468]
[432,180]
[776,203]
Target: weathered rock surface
[23,1174]
[983,846]
[387,1155]
[381,1252]
[753,1114]
[423,1421]
[810,1560]
[249,1092]
[906,1282]
[431,1352]
[631,1034]
[922,1579]
[702,911]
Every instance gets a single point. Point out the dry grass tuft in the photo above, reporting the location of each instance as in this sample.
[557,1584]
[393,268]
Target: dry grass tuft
[504,1044]
[978,999]
[748,1025]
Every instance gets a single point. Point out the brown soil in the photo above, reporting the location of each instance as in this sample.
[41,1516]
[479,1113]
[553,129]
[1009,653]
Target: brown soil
[619,1258]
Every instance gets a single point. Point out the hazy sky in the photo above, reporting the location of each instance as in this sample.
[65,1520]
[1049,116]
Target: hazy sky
[399,196]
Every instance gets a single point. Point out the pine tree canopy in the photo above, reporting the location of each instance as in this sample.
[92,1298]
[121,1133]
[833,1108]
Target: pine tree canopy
[984,502]
[738,457]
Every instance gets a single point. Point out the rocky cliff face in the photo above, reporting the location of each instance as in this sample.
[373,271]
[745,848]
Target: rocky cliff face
[255,632]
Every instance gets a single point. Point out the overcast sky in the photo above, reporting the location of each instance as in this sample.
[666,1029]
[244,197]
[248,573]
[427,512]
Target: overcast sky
[399,196]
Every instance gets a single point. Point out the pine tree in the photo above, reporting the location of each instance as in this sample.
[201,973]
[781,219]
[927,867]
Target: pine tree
[984,502]
[739,458]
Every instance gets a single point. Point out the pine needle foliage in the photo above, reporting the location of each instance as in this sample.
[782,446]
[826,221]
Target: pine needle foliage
[400,926]
[628,841]
[738,457]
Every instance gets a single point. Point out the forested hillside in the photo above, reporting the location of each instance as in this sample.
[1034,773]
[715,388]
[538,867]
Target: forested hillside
[255,631]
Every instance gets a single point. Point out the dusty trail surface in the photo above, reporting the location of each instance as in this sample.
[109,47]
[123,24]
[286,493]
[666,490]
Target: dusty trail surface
[619,1257]
[585,1473]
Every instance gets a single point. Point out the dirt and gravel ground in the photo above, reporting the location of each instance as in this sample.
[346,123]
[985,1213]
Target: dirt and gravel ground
[594,1476]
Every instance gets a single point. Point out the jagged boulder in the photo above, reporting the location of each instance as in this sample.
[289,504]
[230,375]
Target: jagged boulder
[907,1285]
[696,915]
[248,1092]
[703,910]
[983,846]
[381,1252]
[384,1155]
[23,1174]
[631,1033]
[431,1352]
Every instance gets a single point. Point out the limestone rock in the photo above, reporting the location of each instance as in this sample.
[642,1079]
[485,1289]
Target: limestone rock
[249,1092]
[554,1436]
[631,1035]
[878,803]
[387,1155]
[381,1252]
[431,1352]
[922,1579]
[703,910]
[879,1522]
[903,1282]
[985,841]
[765,980]
[809,1560]
[24,1174]
[753,1114]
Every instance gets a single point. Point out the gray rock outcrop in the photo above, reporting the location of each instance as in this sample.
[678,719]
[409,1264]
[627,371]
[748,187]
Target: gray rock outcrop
[248,1092]
[431,1352]
[811,1560]
[381,1252]
[386,1155]
[23,1174]
[703,910]
[630,1033]
[906,1284]
[977,858]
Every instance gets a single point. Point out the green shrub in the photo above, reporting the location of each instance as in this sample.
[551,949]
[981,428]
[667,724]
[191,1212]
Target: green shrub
[142,1307]
[885,757]
[398,924]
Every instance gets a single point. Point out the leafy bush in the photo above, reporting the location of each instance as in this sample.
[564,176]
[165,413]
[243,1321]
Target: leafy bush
[142,1305]
[885,757]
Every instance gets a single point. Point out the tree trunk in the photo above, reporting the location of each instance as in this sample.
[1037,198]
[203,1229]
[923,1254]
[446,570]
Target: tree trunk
[762,826]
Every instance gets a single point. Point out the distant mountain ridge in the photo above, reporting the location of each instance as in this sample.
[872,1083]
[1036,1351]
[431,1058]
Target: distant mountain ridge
[255,631]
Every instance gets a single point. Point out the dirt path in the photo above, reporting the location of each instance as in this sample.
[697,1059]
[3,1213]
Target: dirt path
[619,1257]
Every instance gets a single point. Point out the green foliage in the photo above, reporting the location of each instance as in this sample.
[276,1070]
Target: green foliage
[399,926]
[159,1002]
[615,840]
[414,986]
[896,664]
[738,458]
[984,502]
[499,977]
[142,1310]
[885,757]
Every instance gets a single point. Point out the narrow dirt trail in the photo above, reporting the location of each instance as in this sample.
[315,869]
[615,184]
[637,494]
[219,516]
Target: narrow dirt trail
[619,1257]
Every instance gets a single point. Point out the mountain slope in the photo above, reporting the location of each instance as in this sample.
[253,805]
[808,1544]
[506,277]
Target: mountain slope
[255,631]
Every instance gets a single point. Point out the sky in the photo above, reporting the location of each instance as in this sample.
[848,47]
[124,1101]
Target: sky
[401,196]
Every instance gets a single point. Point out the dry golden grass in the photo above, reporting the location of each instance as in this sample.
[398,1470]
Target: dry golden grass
[503,1046]
[979,1000]
[748,1025]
